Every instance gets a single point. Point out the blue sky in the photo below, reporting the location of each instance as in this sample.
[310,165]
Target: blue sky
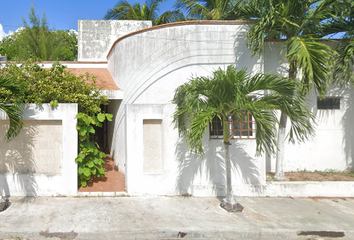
[62,15]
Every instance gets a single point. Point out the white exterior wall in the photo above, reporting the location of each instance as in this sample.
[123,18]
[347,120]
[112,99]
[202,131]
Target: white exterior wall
[97,36]
[148,67]
[182,173]
[332,146]
[117,135]
[41,180]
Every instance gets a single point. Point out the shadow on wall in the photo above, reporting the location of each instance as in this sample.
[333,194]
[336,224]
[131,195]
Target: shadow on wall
[113,107]
[16,160]
[243,55]
[348,131]
[343,119]
[241,59]
[211,170]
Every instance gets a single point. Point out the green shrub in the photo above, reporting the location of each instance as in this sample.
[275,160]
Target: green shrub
[90,162]
[54,86]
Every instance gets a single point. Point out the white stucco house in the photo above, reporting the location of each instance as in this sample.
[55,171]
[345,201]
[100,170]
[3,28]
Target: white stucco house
[139,68]
[149,64]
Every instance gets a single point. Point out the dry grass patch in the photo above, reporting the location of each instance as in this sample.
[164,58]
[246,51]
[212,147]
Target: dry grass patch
[315,176]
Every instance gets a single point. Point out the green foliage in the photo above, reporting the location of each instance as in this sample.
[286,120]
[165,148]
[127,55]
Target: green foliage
[207,9]
[90,162]
[39,42]
[343,72]
[12,110]
[54,103]
[123,10]
[302,25]
[33,84]
[9,46]
[54,85]
[227,93]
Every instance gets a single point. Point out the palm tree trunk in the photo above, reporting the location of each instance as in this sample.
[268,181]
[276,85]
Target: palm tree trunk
[229,203]
[229,193]
[226,135]
[279,173]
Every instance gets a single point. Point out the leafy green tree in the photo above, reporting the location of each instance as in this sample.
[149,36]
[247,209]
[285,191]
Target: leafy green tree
[207,9]
[147,11]
[230,94]
[66,48]
[53,85]
[9,46]
[37,41]
[299,23]
[12,110]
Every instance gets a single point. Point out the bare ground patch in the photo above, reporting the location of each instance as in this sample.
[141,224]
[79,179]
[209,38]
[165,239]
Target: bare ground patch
[315,176]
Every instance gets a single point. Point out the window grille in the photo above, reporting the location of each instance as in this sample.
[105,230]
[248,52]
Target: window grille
[240,128]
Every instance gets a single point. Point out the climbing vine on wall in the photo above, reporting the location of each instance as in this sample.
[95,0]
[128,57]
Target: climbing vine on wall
[90,162]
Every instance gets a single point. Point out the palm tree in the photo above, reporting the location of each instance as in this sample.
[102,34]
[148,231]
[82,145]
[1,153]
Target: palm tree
[343,71]
[13,111]
[299,23]
[207,9]
[147,11]
[343,68]
[228,95]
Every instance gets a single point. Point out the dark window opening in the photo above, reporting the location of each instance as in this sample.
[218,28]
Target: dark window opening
[216,129]
[328,103]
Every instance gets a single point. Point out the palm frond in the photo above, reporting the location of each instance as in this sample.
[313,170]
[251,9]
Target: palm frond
[9,84]
[198,126]
[230,93]
[123,10]
[171,16]
[208,9]
[153,7]
[13,110]
[14,113]
[257,33]
[343,65]
[194,8]
[313,59]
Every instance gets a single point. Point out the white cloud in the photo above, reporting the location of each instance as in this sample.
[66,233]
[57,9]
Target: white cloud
[2,32]
[17,30]
[73,31]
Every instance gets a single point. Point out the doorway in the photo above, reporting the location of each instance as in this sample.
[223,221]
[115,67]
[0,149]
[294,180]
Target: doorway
[114,181]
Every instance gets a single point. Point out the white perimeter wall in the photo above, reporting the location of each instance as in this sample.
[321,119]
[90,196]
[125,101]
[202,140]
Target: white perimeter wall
[41,160]
[332,146]
[148,67]
[178,172]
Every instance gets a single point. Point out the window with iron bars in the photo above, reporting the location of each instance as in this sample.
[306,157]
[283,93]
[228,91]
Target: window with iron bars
[244,128]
